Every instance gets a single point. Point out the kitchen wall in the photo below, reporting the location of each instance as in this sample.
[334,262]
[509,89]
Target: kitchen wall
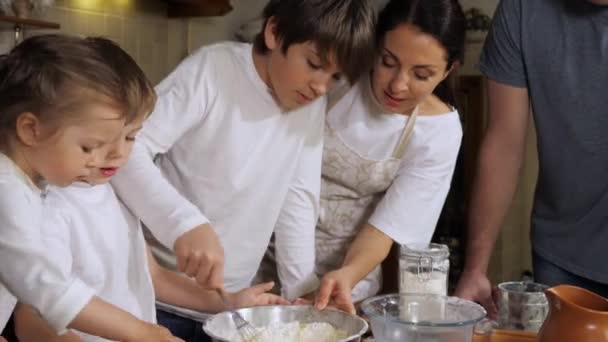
[474,46]
[212,29]
[142,28]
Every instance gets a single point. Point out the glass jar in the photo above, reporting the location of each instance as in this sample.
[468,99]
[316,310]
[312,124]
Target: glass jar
[424,268]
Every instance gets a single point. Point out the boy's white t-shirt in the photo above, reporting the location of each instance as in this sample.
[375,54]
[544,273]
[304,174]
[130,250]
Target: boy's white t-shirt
[94,238]
[410,208]
[231,156]
[27,270]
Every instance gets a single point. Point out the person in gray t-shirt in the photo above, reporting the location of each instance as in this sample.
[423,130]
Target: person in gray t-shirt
[551,55]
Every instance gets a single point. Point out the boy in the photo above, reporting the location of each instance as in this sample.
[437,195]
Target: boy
[239,129]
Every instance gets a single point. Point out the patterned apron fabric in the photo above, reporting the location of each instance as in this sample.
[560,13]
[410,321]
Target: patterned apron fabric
[351,187]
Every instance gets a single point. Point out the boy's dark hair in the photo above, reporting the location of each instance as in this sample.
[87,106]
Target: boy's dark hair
[341,27]
[56,76]
[443,19]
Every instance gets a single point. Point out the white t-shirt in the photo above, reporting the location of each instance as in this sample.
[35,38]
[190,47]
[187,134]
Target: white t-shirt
[227,148]
[409,210]
[93,237]
[27,267]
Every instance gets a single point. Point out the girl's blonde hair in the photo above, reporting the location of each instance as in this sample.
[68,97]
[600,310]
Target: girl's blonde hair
[55,77]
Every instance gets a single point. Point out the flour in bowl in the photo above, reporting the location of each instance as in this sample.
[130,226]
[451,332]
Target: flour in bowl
[298,332]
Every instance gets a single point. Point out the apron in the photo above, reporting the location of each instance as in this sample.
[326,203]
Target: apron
[351,187]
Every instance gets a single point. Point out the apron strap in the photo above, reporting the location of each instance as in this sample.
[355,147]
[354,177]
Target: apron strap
[406,135]
[334,97]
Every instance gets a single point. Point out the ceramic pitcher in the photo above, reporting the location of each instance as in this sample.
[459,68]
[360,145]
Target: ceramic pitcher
[575,315]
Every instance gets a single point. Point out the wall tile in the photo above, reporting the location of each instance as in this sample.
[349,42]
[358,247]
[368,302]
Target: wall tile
[114,28]
[131,36]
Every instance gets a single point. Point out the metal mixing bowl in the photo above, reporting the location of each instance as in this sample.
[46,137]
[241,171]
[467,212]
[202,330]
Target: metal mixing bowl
[220,327]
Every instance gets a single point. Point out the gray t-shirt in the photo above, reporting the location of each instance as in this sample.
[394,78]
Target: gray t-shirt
[558,50]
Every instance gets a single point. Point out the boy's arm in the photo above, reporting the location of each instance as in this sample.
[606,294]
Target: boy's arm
[295,228]
[174,221]
[176,289]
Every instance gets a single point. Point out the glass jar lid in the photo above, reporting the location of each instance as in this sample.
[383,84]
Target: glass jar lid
[434,251]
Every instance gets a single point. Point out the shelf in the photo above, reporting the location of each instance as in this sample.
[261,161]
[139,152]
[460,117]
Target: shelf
[198,8]
[6,20]
[18,25]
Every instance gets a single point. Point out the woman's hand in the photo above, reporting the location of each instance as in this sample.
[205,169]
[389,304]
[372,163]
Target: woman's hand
[335,290]
[255,296]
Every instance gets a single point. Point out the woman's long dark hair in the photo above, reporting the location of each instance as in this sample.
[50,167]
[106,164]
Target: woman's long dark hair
[443,19]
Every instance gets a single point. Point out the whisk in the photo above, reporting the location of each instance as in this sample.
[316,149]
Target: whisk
[247,332]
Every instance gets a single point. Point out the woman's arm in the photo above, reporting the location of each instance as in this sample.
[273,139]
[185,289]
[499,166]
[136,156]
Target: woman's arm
[367,251]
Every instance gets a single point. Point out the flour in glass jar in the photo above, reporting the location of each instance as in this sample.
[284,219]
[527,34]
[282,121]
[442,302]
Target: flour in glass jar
[434,282]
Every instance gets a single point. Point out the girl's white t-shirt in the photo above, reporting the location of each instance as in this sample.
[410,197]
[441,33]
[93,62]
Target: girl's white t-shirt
[96,239]
[27,268]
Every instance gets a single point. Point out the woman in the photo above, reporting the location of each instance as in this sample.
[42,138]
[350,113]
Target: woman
[391,143]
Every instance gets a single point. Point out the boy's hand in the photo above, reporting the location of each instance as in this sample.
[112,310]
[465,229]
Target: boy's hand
[335,290]
[257,295]
[147,332]
[200,255]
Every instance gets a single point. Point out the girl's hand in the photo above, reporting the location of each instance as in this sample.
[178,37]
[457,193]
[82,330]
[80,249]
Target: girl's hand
[307,299]
[335,290]
[256,295]
[303,301]
[147,332]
